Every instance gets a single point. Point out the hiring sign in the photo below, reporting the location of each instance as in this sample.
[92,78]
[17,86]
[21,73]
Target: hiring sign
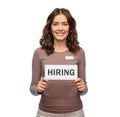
[61,72]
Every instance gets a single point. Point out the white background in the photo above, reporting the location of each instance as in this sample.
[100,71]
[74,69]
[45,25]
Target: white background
[98,25]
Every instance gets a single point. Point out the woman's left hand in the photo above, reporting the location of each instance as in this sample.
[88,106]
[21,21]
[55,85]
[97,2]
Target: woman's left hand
[81,85]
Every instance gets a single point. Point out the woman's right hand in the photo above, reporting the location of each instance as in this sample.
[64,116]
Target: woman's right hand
[42,85]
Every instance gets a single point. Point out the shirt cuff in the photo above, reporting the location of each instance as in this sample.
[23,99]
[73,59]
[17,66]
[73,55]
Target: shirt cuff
[84,92]
[34,91]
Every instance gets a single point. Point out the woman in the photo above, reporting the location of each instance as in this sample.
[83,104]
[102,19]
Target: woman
[59,46]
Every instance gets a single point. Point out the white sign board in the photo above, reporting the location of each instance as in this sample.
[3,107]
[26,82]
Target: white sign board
[61,72]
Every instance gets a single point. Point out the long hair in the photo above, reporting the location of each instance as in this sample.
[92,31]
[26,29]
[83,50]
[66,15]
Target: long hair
[47,39]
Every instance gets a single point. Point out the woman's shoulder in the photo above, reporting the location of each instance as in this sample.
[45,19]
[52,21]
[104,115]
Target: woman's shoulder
[40,51]
[81,51]
[80,54]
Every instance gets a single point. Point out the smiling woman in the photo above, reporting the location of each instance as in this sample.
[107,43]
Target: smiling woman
[60,27]
[59,47]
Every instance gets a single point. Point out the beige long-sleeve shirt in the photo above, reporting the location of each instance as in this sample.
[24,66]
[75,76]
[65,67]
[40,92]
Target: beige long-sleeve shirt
[61,96]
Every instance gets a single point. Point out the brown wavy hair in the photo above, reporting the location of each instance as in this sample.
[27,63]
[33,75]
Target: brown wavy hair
[47,39]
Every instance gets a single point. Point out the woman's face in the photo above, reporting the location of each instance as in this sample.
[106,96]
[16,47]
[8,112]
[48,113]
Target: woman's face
[60,27]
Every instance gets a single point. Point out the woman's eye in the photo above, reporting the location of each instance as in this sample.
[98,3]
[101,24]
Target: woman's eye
[65,24]
[55,24]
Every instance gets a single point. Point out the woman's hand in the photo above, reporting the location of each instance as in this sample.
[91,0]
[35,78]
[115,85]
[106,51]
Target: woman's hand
[42,85]
[81,85]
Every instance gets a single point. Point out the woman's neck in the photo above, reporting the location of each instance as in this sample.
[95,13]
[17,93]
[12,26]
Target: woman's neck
[60,46]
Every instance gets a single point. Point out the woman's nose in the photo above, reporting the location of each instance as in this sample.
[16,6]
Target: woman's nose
[60,27]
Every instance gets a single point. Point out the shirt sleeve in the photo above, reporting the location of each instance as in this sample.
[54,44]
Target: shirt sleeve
[36,72]
[82,69]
